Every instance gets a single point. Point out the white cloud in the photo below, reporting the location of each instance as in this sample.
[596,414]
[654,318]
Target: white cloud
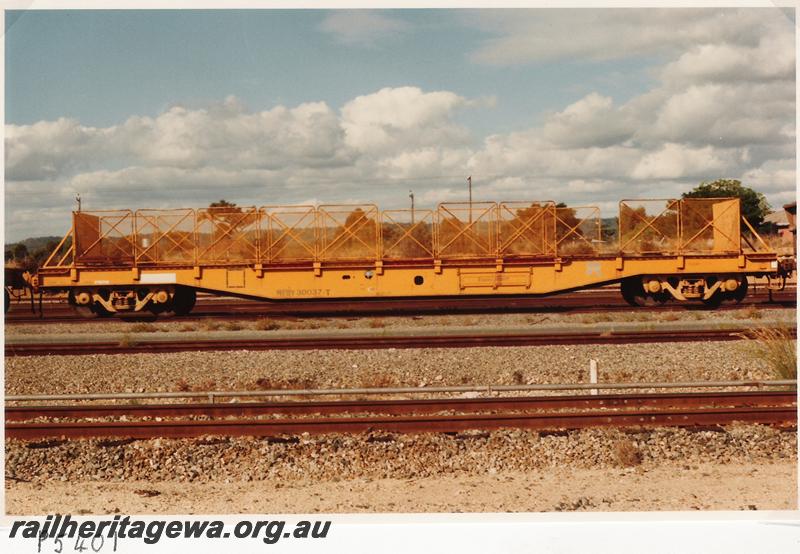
[429,162]
[732,115]
[591,121]
[774,176]
[48,149]
[772,59]
[309,134]
[592,186]
[361,27]
[446,194]
[402,117]
[541,35]
[675,161]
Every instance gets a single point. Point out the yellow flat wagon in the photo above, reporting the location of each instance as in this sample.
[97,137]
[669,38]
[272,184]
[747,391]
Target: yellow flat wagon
[156,260]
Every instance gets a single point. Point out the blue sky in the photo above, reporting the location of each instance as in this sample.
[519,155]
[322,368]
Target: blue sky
[283,106]
[102,66]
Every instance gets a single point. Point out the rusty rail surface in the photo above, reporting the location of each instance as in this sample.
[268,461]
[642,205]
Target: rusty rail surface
[695,399]
[649,410]
[492,389]
[403,424]
[374,342]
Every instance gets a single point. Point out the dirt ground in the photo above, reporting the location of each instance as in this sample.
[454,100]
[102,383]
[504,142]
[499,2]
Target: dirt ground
[766,486]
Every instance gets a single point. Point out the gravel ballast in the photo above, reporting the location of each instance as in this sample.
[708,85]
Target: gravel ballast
[705,486]
[244,370]
[377,455]
[327,463]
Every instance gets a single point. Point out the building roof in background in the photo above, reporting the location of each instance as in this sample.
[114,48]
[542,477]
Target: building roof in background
[777,218]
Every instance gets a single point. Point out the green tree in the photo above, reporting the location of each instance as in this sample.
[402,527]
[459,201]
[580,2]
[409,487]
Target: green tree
[227,215]
[222,204]
[20,251]
[754,205]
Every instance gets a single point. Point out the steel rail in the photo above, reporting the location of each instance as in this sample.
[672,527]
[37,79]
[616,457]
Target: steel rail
[376,342]
[402,424]
[508,404]
[487,389]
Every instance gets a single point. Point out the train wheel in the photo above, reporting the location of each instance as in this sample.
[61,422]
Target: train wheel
[633,292]
[101,311]
[740,293]
[661,298]
[713,302]
[183,300]
[88,311]
[83,310]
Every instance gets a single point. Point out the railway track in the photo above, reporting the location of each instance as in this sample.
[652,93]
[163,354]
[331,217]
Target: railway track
[639,410]
[578,302]
[374,341]
[514,403]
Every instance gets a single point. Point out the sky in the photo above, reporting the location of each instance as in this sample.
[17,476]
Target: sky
[166,109]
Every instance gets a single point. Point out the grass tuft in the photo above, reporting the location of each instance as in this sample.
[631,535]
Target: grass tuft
[266,324]
[670,316]
[377,381]
[265,383]
[143,328]
[777,348]
[600,317]
[126,341]
[625,453]
[750,313]
[212,325]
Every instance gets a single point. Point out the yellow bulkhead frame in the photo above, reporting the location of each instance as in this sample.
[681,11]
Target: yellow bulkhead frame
[335,251]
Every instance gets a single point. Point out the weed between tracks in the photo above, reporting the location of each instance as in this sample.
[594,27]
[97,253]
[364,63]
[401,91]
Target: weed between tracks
[301,324]
[266,324]
[293,383]
[126,341]
[749,313]
[776,347]
[182,385]
[597,318]
[143,328]
[670,316]
[378,381]
[625,453]
[211,325]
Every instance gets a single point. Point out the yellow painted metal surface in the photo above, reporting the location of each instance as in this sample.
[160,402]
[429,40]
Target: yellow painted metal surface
[364,282]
